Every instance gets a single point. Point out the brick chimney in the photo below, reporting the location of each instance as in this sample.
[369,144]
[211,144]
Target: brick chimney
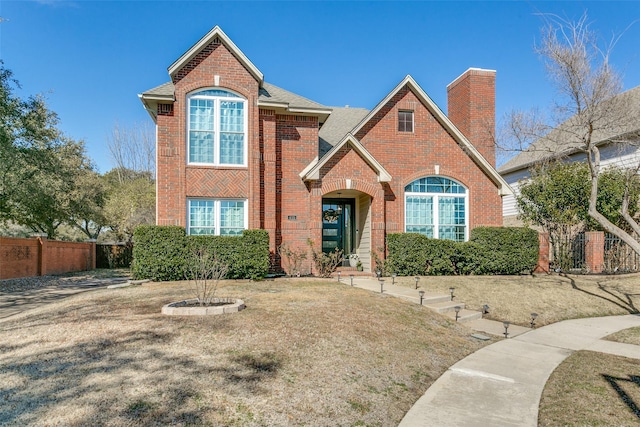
[472,108]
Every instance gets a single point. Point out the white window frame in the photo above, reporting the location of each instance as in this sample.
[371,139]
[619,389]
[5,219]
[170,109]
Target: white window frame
[216,126]
[217,203]
[436,203]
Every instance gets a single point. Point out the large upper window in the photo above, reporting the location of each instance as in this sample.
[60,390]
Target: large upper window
[436,207]
[217,128]
[219,217]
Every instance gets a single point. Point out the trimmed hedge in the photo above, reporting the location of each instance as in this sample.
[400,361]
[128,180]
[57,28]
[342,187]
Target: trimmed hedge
[491,250]
[160,252]
[506,250]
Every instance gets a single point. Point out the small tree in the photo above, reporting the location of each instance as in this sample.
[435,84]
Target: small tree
[204,272]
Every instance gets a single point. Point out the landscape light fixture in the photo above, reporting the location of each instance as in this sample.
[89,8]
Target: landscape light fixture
[485,309]
[457,308]
[417,280]
[451,290]
[506,324]
[393,278]
[381,285]
[534,316]
[378,273]
[421,292]
[339,275]
[351,278]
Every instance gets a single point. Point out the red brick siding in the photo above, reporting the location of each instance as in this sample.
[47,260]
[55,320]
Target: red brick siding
[471,107]
[411,155]
[296,145]
[176,181]
[281,146]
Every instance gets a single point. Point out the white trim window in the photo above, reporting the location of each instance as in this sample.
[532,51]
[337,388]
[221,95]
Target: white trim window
[220,217]
[217,128]
[436,207]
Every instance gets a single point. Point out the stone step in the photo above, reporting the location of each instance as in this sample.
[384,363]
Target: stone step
[444,306]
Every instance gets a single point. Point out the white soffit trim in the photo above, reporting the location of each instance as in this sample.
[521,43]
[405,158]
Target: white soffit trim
[204,41]
[442,118]
[312,171]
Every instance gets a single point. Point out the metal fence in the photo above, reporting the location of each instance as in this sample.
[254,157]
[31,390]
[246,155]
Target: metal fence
[618,256]
[569,253]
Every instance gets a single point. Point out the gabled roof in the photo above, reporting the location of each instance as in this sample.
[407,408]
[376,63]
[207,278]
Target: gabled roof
[442,118]
[312,171]
[562,141]
[204,41]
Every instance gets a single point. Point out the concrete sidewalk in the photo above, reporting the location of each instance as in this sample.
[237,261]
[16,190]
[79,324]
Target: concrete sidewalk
[501,384]
[485,326]
[13,302]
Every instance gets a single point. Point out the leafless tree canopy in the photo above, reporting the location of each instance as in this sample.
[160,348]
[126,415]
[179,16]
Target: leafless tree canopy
[133,148]
[590,110]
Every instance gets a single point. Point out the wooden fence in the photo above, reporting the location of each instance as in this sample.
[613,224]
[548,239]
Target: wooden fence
[39,256]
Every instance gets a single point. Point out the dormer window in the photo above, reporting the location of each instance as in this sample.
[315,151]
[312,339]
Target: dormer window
[405,121]
[217,127]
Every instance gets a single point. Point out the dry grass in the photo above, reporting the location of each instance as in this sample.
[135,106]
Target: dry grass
[304,352]
[592,389]
[553,297]
[629,336]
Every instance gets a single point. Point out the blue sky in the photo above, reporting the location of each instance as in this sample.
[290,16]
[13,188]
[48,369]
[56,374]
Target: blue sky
[92,58]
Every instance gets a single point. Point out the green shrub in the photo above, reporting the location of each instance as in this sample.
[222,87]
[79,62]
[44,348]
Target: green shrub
[407,256]
[160,253]
[506,250]
[491,250]
[412,254]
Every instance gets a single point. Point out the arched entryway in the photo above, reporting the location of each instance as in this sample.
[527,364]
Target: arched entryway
[346,225]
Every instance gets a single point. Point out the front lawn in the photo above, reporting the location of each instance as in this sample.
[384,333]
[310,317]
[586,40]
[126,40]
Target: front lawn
[304,352]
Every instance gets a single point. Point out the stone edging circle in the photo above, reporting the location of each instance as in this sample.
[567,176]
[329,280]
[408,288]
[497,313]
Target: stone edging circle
[181,308]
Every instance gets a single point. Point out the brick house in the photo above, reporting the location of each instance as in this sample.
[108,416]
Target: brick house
[235,152]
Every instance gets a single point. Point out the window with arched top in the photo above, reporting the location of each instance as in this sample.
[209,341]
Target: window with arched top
[436,207]
[217,128]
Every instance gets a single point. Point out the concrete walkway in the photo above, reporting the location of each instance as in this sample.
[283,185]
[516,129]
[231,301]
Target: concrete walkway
[19,300]
[501,384]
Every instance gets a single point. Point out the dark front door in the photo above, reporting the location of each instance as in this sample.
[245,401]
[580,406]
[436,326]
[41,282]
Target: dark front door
[338,219]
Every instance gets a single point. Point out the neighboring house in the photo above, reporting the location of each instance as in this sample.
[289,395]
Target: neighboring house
[235,152]
[618,142]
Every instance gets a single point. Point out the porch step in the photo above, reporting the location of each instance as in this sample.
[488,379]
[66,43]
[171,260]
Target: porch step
[345,272]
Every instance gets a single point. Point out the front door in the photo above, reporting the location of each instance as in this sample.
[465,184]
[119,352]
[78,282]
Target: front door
[338,220]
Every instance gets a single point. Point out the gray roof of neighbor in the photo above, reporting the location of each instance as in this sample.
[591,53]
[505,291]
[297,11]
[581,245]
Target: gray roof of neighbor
[562,140]
[341,121]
